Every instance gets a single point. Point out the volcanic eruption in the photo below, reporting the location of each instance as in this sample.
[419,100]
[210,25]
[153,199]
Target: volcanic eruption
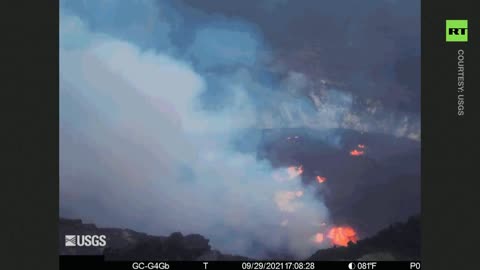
[341,236]
[294,171]
[321,179]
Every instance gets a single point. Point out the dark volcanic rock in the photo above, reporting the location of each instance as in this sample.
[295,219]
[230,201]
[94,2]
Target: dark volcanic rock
[125,244]
[367,192]
[174,247]
[116,238]
[400,241]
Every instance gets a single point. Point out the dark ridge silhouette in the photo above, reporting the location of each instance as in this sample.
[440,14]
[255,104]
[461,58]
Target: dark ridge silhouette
[399,241]
[125,244]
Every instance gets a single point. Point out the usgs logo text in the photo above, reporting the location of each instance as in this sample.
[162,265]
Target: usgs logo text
[85,240]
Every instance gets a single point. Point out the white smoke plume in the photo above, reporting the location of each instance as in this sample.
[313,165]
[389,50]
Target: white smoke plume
[137,151]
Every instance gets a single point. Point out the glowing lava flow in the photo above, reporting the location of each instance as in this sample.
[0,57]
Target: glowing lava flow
[295,171]
[321,179]
[341,236]
[355,152]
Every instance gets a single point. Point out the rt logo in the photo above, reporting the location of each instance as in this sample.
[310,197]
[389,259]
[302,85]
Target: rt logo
[457,30]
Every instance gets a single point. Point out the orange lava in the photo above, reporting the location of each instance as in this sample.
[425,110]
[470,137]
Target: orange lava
[295,171]
[361,146]
[341,236]
[355,152]
[321,179]
[318,238]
